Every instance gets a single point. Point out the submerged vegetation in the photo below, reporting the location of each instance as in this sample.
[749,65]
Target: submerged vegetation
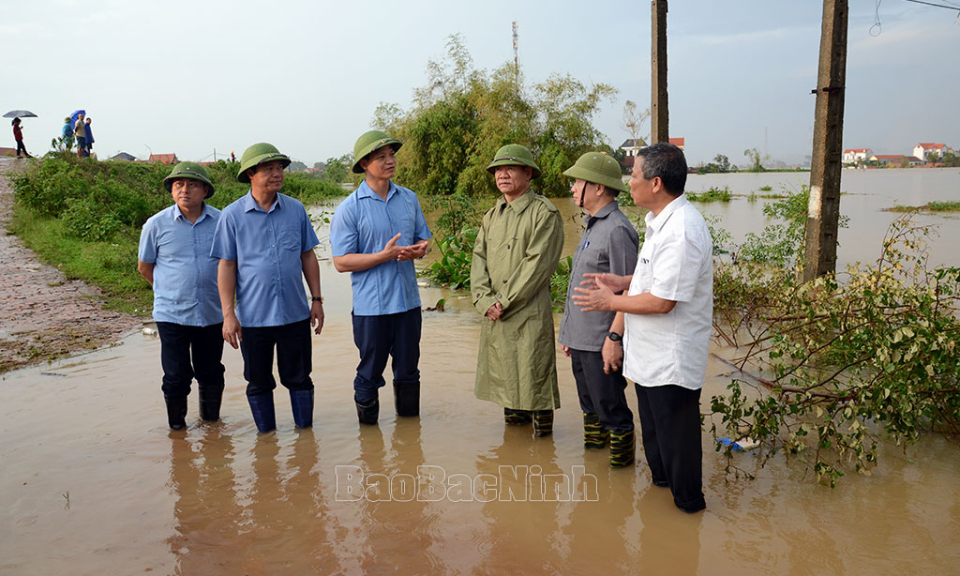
[85,216]
[827,366]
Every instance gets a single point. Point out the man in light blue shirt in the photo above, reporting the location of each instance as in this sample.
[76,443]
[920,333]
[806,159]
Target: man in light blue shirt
[174,257]
[265,245]
[376,234]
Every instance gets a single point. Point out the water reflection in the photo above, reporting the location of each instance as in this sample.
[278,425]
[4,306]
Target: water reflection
[519,524]
[396,529]
[206,509]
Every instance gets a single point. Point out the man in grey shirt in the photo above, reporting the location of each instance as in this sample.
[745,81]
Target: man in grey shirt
[608,246]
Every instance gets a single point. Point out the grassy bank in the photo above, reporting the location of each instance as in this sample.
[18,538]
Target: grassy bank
[85,217]
[931,207]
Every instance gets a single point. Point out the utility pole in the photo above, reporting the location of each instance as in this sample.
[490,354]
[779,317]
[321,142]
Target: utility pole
[516,55]
[823,212]
[660,127]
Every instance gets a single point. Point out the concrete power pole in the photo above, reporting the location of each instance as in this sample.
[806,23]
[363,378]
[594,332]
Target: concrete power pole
[823,212]
[659,111]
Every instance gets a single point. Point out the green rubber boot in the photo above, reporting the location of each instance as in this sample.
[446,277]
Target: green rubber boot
[516,417]
[543,422]
[622,449]
[594,436]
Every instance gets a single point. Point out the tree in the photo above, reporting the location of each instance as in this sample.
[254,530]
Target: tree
[633,123]
[462,116]
[756,160]
[297,166]
[338,169]
[951,160]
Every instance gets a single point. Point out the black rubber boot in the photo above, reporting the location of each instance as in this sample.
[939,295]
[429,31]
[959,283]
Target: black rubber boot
[263,413]
[368,412]
[176,411]
[302,403]
[407,398]
[210,404]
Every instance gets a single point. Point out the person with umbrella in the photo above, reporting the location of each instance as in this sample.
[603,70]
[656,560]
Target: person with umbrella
[18,136]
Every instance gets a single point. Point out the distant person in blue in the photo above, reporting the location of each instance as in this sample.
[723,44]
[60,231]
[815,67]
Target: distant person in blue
[66,134]
[174,257]
[89,132]
[265,245]
[376,234]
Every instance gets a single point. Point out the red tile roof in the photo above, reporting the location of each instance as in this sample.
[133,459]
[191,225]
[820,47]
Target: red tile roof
[678,142]
[856,150]
[165,158]
[930,145]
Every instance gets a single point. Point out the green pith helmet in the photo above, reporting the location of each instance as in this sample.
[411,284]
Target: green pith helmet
[190,170]
[370,142]
[598,168]
[256,155]
[514,155]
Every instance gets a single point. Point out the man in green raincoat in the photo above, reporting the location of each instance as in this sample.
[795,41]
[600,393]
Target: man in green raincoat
[516,252]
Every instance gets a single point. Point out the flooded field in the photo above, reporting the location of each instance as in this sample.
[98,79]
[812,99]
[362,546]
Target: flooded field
[93,482]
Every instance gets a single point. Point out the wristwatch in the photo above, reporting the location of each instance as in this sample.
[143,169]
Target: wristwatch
[614,337]
[317,299]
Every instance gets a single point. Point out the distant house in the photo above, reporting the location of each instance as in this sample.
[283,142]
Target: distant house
[855,155]
[630,147]
[895,159]
[165,158]
[123,156]
[925,150]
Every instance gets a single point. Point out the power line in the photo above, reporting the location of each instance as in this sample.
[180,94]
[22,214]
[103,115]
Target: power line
[935,5]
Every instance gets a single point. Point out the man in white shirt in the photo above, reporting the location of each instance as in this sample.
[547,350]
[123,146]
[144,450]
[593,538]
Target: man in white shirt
[666,317]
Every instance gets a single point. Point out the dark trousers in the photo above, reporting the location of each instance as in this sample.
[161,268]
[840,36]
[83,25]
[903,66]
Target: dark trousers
[601,394]
[670,426]
[187,352]
[376,337]
[20,147]
[294,361]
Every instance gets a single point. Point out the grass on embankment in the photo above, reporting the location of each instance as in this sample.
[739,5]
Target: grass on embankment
[931,207]
[109,265]
[85,217]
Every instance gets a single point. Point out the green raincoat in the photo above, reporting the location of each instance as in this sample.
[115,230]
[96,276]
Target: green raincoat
[515,254]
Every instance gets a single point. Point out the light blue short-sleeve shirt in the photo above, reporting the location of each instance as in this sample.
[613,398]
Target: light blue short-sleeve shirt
[266,245]
[184,273]
[363,224]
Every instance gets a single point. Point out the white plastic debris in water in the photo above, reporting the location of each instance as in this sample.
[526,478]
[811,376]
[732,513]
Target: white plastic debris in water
[149,331]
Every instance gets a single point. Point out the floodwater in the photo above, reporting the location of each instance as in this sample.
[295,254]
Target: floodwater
[93,482]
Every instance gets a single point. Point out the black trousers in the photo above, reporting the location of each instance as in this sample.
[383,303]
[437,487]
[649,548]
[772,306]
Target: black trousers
[20,147]
[294,361]
[188,351]
[376,337]
[670,426]
[601,394]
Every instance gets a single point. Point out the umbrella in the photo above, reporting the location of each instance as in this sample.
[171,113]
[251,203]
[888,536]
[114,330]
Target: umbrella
[77,113]
[19,114]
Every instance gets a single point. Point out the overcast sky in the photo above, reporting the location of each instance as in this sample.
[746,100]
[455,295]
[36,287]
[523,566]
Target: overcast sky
[191,77]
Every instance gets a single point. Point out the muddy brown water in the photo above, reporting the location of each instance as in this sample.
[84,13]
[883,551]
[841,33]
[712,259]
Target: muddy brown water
[93,482]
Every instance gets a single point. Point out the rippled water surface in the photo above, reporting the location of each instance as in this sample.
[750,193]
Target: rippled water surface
[92,482]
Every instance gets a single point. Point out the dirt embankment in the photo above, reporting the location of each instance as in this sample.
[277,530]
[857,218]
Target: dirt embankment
[42,314]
